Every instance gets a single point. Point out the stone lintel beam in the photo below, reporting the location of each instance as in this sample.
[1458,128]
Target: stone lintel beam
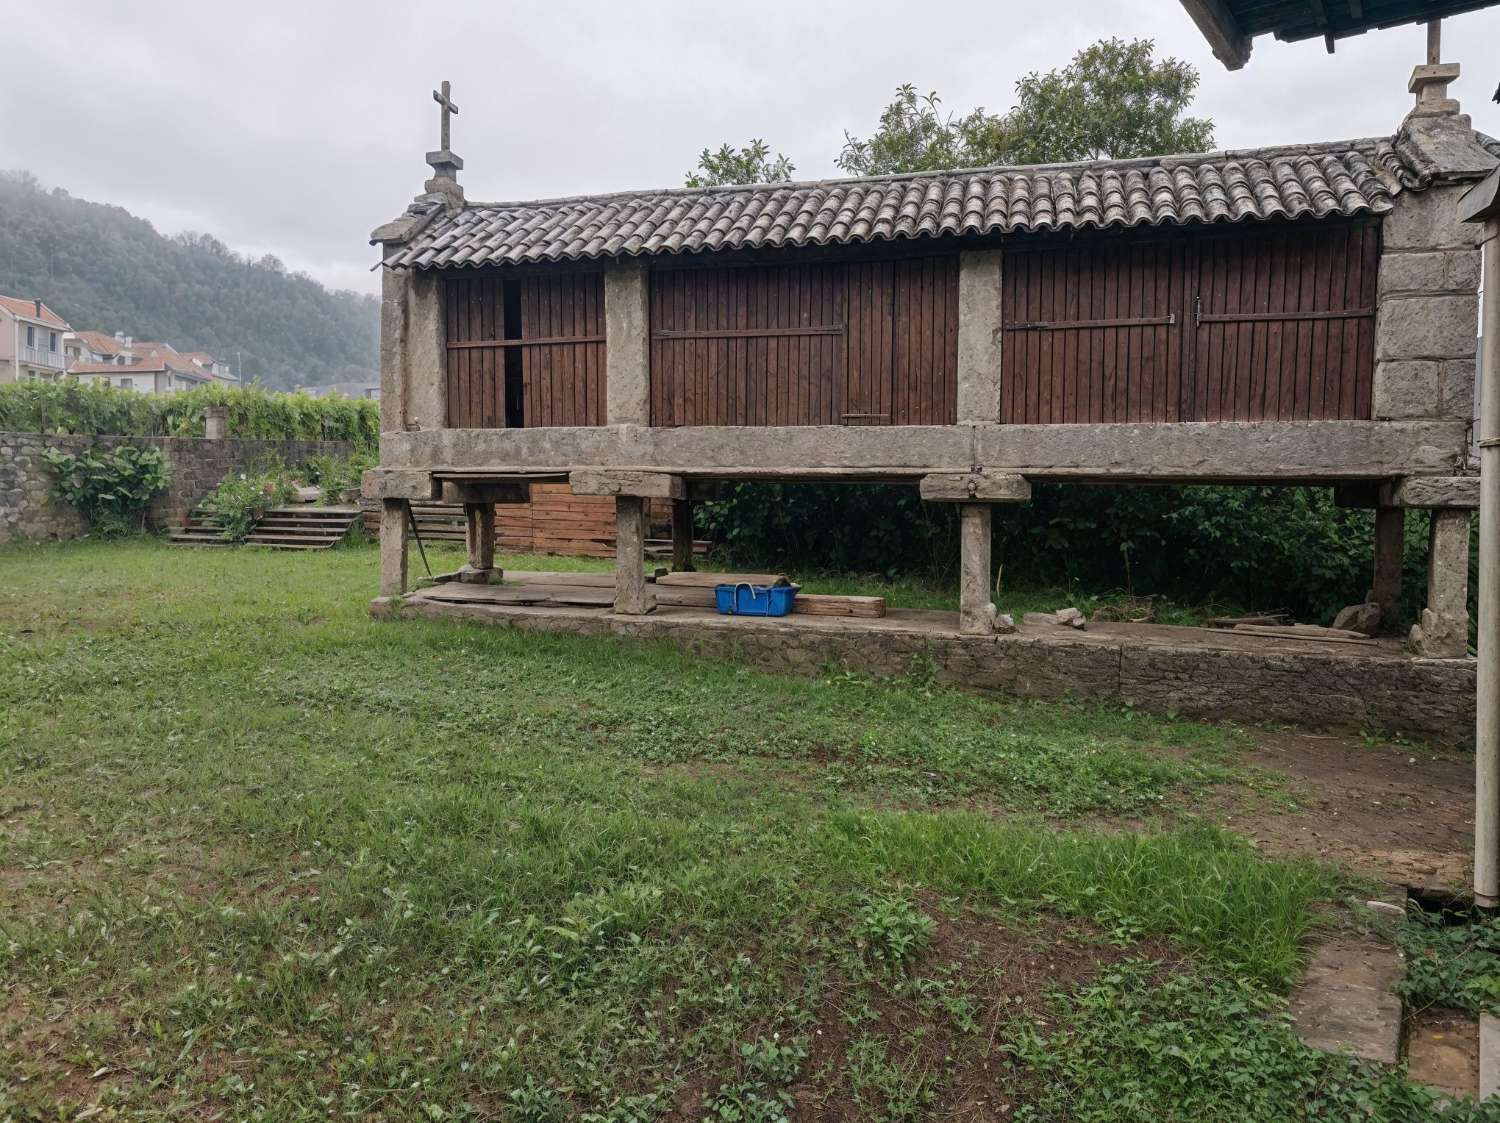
[1432,491]
[975,487]
[1189,452]
[642,485]
[486,491]
[400,483]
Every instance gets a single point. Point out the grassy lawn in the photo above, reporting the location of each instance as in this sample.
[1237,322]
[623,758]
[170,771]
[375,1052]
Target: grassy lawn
[263,858]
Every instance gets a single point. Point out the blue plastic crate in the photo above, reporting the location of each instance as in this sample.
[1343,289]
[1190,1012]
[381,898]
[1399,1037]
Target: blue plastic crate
[746,599]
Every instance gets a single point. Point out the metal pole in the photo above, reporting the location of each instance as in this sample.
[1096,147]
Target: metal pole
[1487,723]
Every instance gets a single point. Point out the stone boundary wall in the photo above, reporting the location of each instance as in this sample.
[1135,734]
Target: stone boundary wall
[28,512]
[1431,698]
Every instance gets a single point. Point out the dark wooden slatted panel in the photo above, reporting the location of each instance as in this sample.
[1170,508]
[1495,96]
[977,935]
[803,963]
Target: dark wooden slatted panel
[766,345]
[868,343]
[563,382]
[1100,348]
[1287,325]
[475,374]
[1274,324]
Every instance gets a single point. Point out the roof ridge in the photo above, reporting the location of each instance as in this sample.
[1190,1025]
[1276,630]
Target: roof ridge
[1127,162]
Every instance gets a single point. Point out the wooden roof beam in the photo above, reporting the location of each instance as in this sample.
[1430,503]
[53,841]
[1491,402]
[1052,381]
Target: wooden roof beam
[1229,43]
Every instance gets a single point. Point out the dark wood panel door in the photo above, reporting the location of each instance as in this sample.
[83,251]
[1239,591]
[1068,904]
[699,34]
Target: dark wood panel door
[1274,324]
[1285,326]
[749,345]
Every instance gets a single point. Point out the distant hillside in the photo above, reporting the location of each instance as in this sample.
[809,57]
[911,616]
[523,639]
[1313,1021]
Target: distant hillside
[102,268]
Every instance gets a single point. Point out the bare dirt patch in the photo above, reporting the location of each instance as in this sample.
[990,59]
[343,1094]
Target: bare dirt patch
[1397,813]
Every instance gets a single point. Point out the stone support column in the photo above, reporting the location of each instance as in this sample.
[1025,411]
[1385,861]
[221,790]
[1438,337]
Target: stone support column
[1444,630]
[1390,544]
[976,612]
[627,364]
[682,535]
[393,527]
[979,337]
[479,536]
[426,353]
[633,597]
[393,288]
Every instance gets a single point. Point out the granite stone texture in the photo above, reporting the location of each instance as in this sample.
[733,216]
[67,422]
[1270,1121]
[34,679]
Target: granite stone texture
[1185,672]
[196,464]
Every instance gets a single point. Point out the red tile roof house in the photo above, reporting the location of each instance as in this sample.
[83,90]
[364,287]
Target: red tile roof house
[31,341]
[161,371]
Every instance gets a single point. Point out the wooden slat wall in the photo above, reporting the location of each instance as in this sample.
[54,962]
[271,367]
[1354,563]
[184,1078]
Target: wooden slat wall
[476,375]
[828,344]
[562,382]
[1287,369]
[1280,357]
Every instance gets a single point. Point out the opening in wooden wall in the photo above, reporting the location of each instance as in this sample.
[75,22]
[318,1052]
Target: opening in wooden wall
[525,351]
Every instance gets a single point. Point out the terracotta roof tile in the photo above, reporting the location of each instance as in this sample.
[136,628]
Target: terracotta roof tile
[1346,178]
[19,306]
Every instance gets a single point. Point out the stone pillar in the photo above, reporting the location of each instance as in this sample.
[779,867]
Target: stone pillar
[976,612]
[682,535]
[1425,322]
[392,348]
[979,337]
[426,353]
[1390,548]
[393,527]
[627,364]
[633,597]
[1444,630]
[479,536]
[216,422]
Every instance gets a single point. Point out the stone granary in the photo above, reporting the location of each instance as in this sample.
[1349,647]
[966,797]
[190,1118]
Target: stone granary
[1300,315]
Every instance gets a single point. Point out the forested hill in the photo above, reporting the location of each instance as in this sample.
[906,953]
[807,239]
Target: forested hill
[102,268]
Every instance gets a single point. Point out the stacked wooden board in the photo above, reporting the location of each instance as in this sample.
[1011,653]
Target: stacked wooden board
[680,590]
[555,522]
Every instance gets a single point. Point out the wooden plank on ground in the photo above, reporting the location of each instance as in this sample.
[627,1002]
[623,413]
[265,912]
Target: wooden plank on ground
[827,604]
[701,579]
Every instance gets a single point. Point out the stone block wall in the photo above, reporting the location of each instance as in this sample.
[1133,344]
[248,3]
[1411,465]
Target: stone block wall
[1426,326]
[197,464]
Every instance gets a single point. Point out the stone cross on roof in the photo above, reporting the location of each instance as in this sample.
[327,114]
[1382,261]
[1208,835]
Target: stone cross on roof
[450,110]
[445,165]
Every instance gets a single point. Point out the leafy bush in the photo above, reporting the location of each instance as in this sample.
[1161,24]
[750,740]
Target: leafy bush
[338,475]
[111,486]
[1264,547]
[239,499]
[69,406]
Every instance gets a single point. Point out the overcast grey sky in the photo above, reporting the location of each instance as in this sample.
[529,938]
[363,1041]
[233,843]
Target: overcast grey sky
[295,128]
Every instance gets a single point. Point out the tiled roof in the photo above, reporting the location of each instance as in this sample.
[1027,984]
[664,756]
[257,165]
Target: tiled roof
[18,306]
[1346,178]
[153,366]
[100,343]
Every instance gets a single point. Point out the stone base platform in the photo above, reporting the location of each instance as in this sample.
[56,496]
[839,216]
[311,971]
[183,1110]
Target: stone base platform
[1195,672]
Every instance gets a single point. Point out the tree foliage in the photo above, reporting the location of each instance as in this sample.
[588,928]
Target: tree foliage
[102,268]
[750,164]
[917,135]
[1114,99]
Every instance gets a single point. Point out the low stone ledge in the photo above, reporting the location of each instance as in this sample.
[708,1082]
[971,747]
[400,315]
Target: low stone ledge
[1198,675]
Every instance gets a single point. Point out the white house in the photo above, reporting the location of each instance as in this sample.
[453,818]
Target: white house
[145,367]
[31,341]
